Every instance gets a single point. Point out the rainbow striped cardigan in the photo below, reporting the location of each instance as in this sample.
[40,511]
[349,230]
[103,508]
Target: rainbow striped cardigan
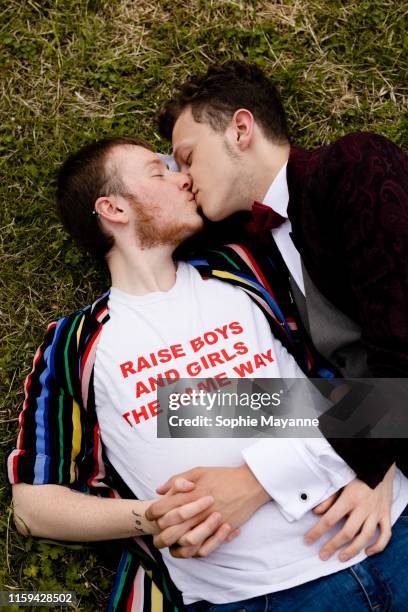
[59,440]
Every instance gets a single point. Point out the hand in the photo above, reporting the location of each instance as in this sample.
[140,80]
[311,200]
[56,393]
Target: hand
[237,496]
[365,509]
[194,513]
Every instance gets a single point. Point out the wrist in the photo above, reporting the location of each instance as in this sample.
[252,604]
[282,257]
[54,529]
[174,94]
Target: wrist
[142,524]
[253,488]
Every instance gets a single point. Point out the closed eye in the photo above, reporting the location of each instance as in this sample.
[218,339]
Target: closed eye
[185,163]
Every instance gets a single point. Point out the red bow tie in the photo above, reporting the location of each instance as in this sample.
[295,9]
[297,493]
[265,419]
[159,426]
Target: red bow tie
[263,218]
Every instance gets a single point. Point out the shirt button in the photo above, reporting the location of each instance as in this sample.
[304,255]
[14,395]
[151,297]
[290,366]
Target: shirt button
[303,497]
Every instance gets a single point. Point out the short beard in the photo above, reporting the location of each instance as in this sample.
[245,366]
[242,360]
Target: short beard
[244,184]
[233,155]
[150,234]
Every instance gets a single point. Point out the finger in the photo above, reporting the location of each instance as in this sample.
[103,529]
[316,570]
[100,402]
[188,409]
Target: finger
[168,503]
[361,540]
[344,536]
[196,520]
[233,534]
[185,512]
[385,536]
[214,541]
[165,487]
[181,484]
[328,521]
[168,537]
[183,552]
[324,506]
[198,535]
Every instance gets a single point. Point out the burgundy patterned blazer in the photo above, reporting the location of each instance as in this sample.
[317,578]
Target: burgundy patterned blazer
[348,205]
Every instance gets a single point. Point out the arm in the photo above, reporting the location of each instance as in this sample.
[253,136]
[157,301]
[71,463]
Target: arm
[50,455]
[50,446]
[356,201]
[60,513]
[368,217]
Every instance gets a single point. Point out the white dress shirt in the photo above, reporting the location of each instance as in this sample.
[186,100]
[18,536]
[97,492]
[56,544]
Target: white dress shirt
[277,198]
[309,469]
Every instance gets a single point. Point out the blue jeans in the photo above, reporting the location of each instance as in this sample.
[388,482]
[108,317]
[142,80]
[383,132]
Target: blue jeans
[378,583]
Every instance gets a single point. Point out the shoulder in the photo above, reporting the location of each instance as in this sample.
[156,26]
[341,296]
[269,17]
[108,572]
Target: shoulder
[64,346]
[367,175]
[79,324]
[362,147]
[356,162]
[68,322]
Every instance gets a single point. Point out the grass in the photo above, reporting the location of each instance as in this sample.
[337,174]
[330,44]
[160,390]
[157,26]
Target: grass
[77,70]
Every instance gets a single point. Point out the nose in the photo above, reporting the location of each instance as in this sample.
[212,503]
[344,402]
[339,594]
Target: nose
[183,180]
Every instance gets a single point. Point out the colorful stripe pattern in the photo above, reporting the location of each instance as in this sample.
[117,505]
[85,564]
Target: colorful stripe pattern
[267,283]
[59,440]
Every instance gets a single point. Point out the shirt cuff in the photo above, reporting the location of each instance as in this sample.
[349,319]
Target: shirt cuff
[298,473]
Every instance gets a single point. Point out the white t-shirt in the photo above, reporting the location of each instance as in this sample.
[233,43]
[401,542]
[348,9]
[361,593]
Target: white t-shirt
[160,332]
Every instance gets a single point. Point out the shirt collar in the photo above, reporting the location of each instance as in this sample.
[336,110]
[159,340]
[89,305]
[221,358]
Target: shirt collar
[277,196]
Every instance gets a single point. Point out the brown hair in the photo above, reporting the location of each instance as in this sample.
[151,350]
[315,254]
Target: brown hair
[215,96]
[83,178]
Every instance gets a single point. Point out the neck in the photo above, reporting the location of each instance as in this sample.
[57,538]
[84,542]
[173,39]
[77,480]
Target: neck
[140,271]
[269,159]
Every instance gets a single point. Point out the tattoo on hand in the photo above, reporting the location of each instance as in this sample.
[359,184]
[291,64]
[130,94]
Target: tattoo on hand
[138,521]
